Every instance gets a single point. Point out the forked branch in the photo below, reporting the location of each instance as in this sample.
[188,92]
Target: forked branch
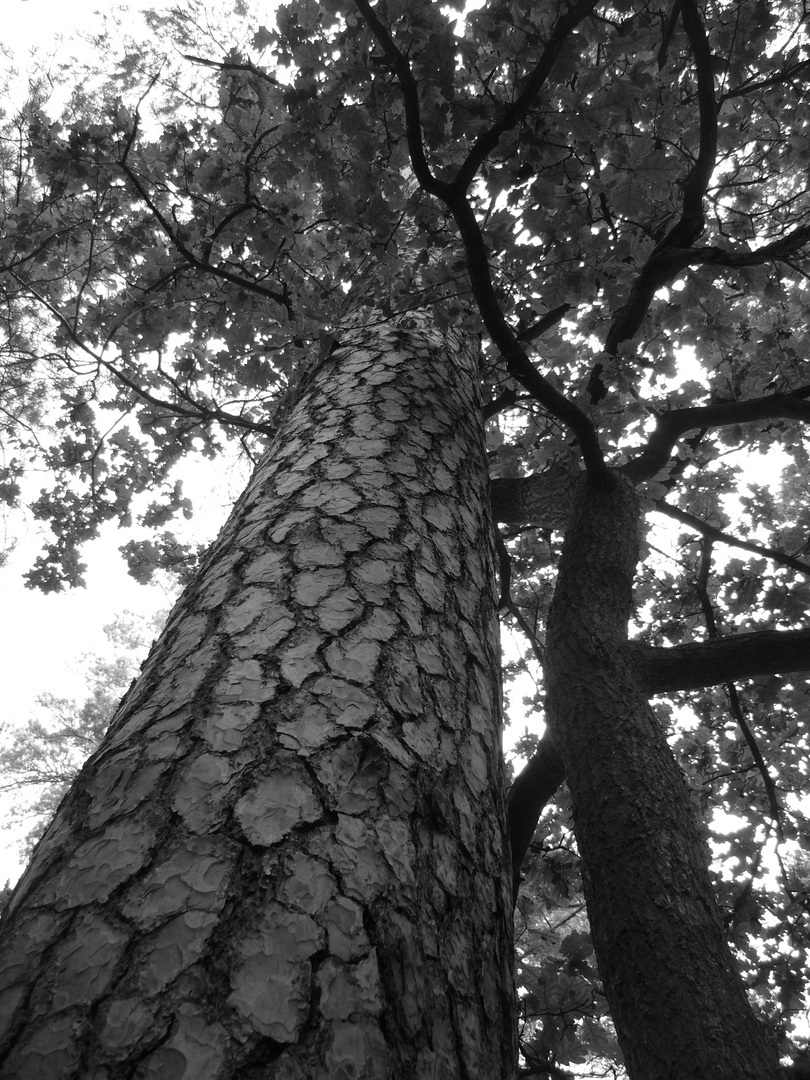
[518,109]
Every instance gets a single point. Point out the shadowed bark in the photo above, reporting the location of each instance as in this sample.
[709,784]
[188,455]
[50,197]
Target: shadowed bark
[709,663]
[650,902]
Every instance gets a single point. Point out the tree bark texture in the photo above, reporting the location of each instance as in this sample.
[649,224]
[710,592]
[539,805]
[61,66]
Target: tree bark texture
[677,1001]
[288,857]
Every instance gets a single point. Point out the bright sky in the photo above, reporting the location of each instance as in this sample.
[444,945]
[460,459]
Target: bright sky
[37,23]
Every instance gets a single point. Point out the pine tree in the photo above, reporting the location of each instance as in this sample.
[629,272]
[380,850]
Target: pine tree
[290,856]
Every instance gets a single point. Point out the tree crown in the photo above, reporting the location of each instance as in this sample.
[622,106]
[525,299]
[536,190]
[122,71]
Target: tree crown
[611,194]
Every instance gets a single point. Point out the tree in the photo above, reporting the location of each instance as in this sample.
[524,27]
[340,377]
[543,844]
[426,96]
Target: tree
[289,855]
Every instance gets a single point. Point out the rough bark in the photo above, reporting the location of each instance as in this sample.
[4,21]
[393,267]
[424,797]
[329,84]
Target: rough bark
[287,858]
[543,499]
[677,1001]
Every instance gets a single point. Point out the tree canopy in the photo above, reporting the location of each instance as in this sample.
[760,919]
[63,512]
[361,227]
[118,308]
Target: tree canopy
[614,196]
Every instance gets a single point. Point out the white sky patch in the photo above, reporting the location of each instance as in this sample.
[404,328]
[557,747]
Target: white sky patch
[471,5]
[725,824]
[31,24]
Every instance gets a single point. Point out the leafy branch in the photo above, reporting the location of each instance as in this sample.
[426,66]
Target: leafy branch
[669,257]
[198,412]
[752,85]
[249,284]
[672,425]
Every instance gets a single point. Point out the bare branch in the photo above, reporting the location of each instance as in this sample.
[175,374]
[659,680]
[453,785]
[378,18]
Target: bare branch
[669,30]
[503,401]
[551,318]
[781,249]
[543,500]
[707,530]
[228,65]
[535,785]
[710,663]
[505,601]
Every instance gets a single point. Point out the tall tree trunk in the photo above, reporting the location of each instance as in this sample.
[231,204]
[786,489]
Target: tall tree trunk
[677,1001]
[288,857]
